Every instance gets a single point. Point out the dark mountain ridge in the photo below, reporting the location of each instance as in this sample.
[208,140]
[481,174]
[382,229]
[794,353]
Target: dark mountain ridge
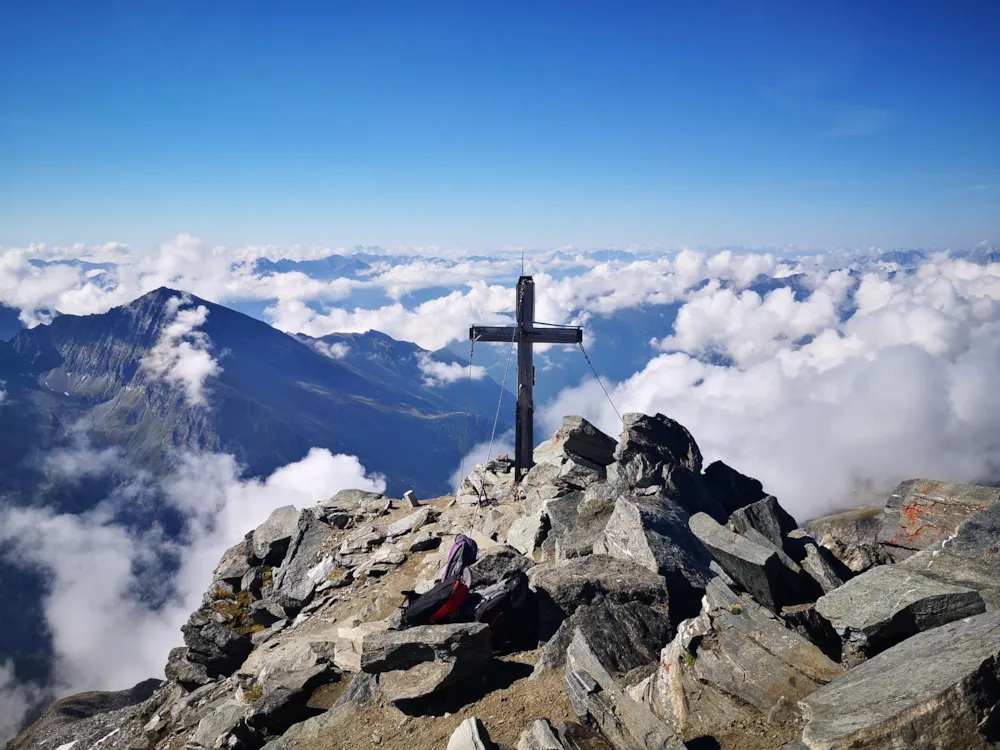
[275,397]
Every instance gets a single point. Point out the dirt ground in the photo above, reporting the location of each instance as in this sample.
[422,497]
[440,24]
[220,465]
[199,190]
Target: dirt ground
[506,701]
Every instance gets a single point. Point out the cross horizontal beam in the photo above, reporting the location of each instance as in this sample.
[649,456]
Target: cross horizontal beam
[506,334]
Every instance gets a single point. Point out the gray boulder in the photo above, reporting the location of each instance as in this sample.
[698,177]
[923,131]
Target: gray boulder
[577,437]
[659,441]
[653,532]
[850,536]
[528,532]
[734,664]
[540,735]
[765,572]
[218,638]
[216,729]
[235,563]
[822,566]
[349,500]
[938,690]
[495,562]
[730,488]
[970,558]
[270,539]
[581,534]
[596,698]
[312,542]
[183,671]
[921,512]
[470,735]
[886,604]
[564,587]
[419,661]
[283,675]
[623,636]
[766,517]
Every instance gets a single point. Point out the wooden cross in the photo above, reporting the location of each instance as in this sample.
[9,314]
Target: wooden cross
[526,335]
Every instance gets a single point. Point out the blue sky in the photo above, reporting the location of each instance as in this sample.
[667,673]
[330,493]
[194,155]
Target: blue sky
[501,124]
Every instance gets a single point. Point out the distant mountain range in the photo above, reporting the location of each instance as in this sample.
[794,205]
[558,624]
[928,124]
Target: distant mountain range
[275,397]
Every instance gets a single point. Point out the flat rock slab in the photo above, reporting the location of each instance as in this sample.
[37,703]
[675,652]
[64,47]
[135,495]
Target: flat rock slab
[312,542]
[761,569]
[930,692]
[888,603]
[921,512]
[850,536]
[418,661]
[409,523]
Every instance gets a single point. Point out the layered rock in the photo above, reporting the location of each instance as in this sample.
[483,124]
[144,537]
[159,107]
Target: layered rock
[597,698]
[938,690]
[766,572]
[889,603]
[734,663]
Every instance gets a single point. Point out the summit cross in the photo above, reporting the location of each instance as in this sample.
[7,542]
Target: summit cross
[526,335]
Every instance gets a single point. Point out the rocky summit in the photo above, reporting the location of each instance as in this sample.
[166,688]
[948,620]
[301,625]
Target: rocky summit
[652,603]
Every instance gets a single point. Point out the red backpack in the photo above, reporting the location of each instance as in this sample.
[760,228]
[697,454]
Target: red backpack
[443,602]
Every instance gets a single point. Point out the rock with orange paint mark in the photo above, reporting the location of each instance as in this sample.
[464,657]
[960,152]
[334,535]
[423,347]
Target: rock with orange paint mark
[970,558]
[922,512]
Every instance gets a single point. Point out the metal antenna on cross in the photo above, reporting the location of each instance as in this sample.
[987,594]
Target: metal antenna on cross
[526,335]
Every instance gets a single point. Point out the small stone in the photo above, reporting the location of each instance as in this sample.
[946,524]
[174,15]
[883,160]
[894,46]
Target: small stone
[470,735]
[410,523]
[411,499]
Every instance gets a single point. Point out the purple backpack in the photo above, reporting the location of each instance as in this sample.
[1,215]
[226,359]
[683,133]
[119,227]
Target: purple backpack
[462,554]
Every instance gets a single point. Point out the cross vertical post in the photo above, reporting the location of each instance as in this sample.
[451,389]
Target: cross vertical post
[526,335]
[524,438]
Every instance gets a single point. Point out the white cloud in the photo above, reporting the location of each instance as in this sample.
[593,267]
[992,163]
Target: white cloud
[430,325]
[336,350]
[443,373]
[900,389]
[114,604]
[16,700]
[181,354]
